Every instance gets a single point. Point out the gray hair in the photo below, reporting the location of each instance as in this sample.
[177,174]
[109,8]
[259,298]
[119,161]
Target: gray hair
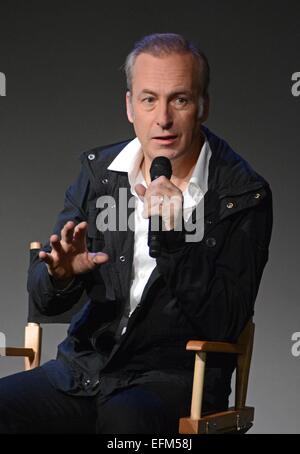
[159,44]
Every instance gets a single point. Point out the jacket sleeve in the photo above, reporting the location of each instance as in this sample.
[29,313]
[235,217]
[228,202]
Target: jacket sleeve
[216,280]
[42,290]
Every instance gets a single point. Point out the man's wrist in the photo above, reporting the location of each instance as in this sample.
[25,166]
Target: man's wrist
[62,284]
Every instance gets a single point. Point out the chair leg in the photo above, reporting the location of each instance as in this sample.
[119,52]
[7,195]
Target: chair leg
[197,396]
[33,339]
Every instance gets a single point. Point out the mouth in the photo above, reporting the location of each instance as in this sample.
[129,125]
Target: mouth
[166,140]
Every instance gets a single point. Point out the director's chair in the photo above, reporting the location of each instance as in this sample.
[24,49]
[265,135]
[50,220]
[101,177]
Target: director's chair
[235,420]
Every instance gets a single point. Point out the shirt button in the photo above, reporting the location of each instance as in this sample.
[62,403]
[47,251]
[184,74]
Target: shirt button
[122,258]
[91,156]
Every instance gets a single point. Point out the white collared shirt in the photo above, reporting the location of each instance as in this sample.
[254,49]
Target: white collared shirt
[129,160]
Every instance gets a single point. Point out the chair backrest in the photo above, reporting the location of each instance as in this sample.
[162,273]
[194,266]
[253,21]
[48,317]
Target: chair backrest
[33,331]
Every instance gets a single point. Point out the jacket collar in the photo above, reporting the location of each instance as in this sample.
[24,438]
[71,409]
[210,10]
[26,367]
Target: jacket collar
[230,177]
[229,173]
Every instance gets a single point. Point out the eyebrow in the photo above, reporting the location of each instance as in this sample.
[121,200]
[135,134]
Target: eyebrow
[176,92]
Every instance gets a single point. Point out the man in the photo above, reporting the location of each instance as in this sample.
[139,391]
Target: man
[123,367]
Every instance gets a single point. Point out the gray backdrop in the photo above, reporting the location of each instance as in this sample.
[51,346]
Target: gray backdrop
[65,94]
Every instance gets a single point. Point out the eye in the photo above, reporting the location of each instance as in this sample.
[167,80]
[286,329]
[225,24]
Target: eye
[181,102]
[148,100]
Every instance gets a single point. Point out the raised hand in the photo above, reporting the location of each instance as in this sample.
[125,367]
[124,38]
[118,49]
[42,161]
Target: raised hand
[69,255]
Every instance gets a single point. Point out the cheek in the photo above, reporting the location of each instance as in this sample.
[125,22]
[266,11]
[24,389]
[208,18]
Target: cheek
[190,125]
[143,124]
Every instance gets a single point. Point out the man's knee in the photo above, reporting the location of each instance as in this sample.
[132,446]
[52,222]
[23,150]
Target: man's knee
[133,411]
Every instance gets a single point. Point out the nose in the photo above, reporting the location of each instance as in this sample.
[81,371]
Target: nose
[164,116]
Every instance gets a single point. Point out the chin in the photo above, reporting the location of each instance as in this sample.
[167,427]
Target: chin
[165,151]
[167,154]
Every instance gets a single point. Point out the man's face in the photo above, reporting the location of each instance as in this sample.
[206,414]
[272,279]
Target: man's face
[164,104]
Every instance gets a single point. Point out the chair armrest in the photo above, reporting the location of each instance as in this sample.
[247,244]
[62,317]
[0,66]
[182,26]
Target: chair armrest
[19,351]
[214,347]
[32,347]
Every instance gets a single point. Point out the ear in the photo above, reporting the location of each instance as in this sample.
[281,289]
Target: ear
[204,109]
[129,108]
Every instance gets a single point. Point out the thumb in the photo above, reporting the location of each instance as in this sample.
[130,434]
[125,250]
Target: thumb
[140,190]
[99,258]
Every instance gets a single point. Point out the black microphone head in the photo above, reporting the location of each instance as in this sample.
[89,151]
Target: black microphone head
[160,166]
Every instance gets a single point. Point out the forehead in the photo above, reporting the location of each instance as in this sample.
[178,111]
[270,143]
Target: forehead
[163,73]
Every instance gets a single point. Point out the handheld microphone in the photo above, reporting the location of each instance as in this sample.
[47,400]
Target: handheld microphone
[160,166]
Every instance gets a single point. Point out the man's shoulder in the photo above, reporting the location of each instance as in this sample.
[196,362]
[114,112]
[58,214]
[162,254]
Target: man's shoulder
[103,154]
[228,169]
[95,162]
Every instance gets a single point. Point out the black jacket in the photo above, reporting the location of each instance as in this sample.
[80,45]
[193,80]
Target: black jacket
[198,290]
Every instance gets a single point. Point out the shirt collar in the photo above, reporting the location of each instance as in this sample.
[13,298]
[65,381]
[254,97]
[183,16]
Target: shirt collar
[198,183]
[130,158]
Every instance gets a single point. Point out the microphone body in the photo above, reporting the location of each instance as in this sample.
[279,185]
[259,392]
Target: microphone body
[160,166]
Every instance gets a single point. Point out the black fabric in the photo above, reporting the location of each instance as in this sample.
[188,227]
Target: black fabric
[126,404]
[198,290]
[36,316]
[30,404]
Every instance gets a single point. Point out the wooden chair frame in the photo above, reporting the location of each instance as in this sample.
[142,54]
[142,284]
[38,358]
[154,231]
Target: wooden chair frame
[237,419]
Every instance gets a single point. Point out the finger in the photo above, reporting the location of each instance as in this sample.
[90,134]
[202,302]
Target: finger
[153,200]
[140,190]
[160,190]
[99,257]
[80,232]
[55,243]
[82,225]
[67,232]
[45,257]
[157,200]
[152,206]
[165,186]
[166,191]
[162,182]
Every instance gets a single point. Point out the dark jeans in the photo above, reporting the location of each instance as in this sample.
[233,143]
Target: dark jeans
[30,404]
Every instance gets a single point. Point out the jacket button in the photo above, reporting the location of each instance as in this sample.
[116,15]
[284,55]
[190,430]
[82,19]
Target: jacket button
[86,382]
[230,205]
[91,156]
[257,195]
[104,181]
[210,242]
[122,258]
